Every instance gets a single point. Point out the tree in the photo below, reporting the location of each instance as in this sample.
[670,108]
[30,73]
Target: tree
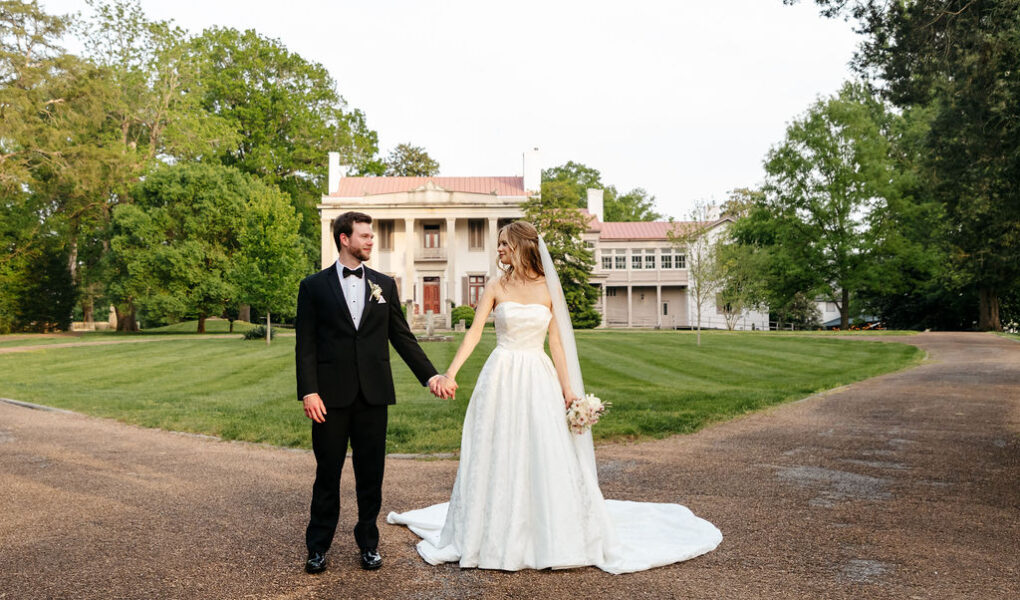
[701,249]
[174,249]
[270,261]
[286,112]
[800,312]
[743,286]
[824,181]
[146,89]
[554,213]
[635,205]
[959,59]
[410,161]
[37,117]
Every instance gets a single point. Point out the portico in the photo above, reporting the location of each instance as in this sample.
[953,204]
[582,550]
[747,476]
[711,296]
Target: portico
[436,236]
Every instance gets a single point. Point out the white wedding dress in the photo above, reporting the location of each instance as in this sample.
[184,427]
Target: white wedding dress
[526,494]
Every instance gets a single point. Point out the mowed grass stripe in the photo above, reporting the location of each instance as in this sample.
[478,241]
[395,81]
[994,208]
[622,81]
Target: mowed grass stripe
[660,383]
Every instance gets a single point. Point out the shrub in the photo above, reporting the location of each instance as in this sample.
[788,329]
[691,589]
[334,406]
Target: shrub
[463,312]
[259,333]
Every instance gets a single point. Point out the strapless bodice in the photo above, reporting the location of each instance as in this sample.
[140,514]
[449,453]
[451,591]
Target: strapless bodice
[521,326]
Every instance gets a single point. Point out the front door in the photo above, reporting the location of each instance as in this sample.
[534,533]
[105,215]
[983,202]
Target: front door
[431,294]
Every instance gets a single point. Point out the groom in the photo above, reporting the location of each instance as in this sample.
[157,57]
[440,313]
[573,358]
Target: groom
[347,315]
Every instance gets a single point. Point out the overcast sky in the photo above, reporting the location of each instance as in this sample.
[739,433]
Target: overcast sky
[682,98]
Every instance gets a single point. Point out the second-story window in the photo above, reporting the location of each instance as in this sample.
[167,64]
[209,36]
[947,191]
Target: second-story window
[607,262]
[476,234]
[384,234]
[431,239]
[621,261]
[635,261]
[672,259]
[649,259]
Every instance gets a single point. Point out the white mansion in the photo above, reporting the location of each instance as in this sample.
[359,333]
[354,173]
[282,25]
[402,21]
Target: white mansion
[437,237]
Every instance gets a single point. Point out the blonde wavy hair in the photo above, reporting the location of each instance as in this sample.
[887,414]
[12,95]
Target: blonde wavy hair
[525,261]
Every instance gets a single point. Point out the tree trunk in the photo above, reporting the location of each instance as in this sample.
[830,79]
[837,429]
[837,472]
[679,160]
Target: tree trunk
[699,325]
[231,330]
[844,311]
[126,318]
[244,313]
[72,259]
[88,308]
[201,323]
[988,310]
[268,328]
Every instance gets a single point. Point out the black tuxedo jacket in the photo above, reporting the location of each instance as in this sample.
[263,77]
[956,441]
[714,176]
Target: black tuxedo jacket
[336,360]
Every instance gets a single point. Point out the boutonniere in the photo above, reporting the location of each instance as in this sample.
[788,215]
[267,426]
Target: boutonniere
[376,292]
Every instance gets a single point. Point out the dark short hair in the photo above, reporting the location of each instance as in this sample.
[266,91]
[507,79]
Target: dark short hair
[345,224]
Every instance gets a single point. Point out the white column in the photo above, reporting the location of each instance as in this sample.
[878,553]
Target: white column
[409,274]
[630,305]
[328,246]
[492,246]
[451,263]
[658,305]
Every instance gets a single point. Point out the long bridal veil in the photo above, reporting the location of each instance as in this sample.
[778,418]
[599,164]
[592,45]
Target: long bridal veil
[583,443]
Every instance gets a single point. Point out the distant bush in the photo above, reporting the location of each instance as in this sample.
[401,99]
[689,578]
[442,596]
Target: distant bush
[463,312]
[259,333]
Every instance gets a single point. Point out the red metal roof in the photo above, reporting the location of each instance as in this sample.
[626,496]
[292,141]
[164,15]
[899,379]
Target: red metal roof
[640,230]
[352,187]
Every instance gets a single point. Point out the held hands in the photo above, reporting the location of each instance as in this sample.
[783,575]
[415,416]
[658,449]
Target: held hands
[443,386]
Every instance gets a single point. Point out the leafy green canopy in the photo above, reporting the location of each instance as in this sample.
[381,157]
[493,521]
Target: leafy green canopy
[199,237]
[958,59]
[635,205]
[410,161]
[286,112]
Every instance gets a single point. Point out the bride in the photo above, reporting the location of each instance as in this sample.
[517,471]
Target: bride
[526,494]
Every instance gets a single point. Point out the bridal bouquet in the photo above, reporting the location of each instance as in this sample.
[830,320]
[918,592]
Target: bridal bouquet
[585,412]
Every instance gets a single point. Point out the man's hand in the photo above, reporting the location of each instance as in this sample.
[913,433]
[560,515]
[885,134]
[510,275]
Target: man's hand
[443,386]
[314,408]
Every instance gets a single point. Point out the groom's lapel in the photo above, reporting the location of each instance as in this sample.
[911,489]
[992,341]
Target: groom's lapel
[369,304]
[334,283]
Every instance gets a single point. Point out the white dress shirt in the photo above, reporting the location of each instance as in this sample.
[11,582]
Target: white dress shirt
[354,291]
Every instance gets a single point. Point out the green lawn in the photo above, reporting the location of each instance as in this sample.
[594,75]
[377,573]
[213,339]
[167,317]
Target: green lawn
[659,382]
[211,326]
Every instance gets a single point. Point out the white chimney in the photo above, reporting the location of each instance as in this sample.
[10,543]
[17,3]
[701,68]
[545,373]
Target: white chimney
[595,205]
[334,172]
[532,171]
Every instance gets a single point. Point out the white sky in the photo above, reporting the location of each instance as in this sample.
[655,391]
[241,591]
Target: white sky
[681,97]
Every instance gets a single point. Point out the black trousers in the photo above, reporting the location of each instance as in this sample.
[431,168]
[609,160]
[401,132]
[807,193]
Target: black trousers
[365,426]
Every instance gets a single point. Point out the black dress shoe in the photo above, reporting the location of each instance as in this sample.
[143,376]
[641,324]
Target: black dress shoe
[316,562]
[370,560]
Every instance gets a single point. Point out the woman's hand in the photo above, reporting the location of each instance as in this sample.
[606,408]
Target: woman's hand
[568,398]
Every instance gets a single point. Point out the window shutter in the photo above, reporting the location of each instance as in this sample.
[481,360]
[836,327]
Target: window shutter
[397,279]
[465,288]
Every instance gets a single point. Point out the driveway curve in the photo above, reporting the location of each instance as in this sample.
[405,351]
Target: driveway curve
[901,486]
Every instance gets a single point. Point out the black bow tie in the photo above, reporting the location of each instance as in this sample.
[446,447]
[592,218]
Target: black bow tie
[356,272]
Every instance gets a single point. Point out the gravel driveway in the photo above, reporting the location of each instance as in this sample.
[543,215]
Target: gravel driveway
[902,486]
